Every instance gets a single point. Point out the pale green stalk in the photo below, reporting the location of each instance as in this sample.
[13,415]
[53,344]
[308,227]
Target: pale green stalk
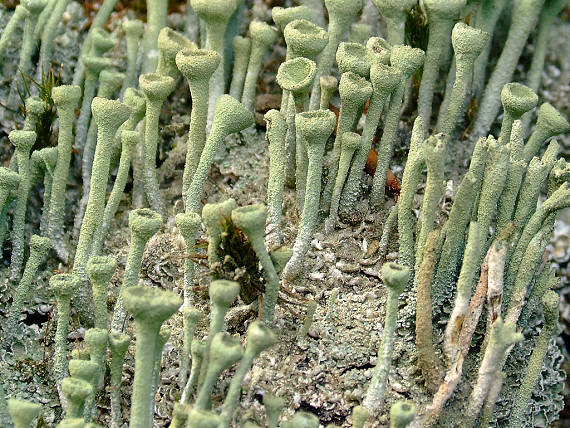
[395,278]
[19,16]
[197,66]
[517,99]
[118,344]
[395,14]
[96,340]
[242,50]
[214,216]
[329,85]
[48,36]
[150,307]
[143,224]
[9,182]
[100,270]
[155,21]
[407,60]
[198,350]
[23,142]
[133,30]
[549,123]
[359,33]
[76,392]
[34,108]
[315,127]
[190,316]
[231,116]
[156,89]
[273,406]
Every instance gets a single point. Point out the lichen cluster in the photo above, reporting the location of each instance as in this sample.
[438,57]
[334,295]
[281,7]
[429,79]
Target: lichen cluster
[464,291]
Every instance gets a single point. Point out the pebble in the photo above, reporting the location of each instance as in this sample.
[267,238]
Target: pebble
[347,267]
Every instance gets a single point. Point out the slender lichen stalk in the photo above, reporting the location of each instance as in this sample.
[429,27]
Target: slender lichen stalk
[214,216]
[39,247]
[549,123]
[216,15]
[395,14]
[231,116]
[156,89]
[133,30]
[384,80]
[407,60]
[550,302]
[19,15]
[23,142]
[156,11]
[64,287]
[100,270]
[354,91]
[9,182]
[251,220]
[395,278]
[48,33]
[96,340]
[314,127]
[143,223]
[329,85]
[118,344]
[242,50]
[190,316]
[198,350]
[23,412]
[129,139]
[441,15]
[150,307]
[341,14]
[66,99]
[523,20]
[263,36]
[197,66]
[351,141]
[76,392]
[468,43]
[109,115]
[276,126]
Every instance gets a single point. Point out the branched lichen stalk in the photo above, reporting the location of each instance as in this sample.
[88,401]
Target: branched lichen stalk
[395,277]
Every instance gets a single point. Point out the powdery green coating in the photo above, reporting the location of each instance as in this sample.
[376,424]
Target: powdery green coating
[43,163]
[302,420]
[341,15]
[143,223]
[230,116]
[329,85]
[23,412]
[492,187]
[135,99]
[189,224]
[535,178]
[390,224]
[545,25]
[434,152]
[359,416]
[197,66]
[283,16]
[118,344]
[354,91]
[454,231]
[468,43]
[163,337]
[273,406]
[428,360]
[34,108]
[559,174]
[198,350]
[225,350]
[251,220]
[170,42]
[94,66]
[155,21]
[216,15]
[351,141]
[395,278]
[523,20]
[395,13]
[198,418]
[359,32]
[156,89]
[180,415]
[276,127]
[379,50]
[214,216]
[546,280]
[129,139]
[100,270]
[469,268]
[408,60]
[402,413]
[384,81]
[242,50]
[441,15]
[263,36]
[517,99]
[23,142]
[109,115]
[71,423]
[309,316]
[133,30]
[66,99]
[314,127]
[96,340]
[549,123]
[64,287]
[550,302]
[353,57]
[9,182]
[48,35]
[190,317]
[150,307]
[39,247]
[20,14]
[259,337]
[222,294]
[76,392]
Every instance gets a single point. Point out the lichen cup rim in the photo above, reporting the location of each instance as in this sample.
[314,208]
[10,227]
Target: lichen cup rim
[518,98]
[156,86]
[194,62]
[250,216]
[150,304]
[302,35]
[297,74]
